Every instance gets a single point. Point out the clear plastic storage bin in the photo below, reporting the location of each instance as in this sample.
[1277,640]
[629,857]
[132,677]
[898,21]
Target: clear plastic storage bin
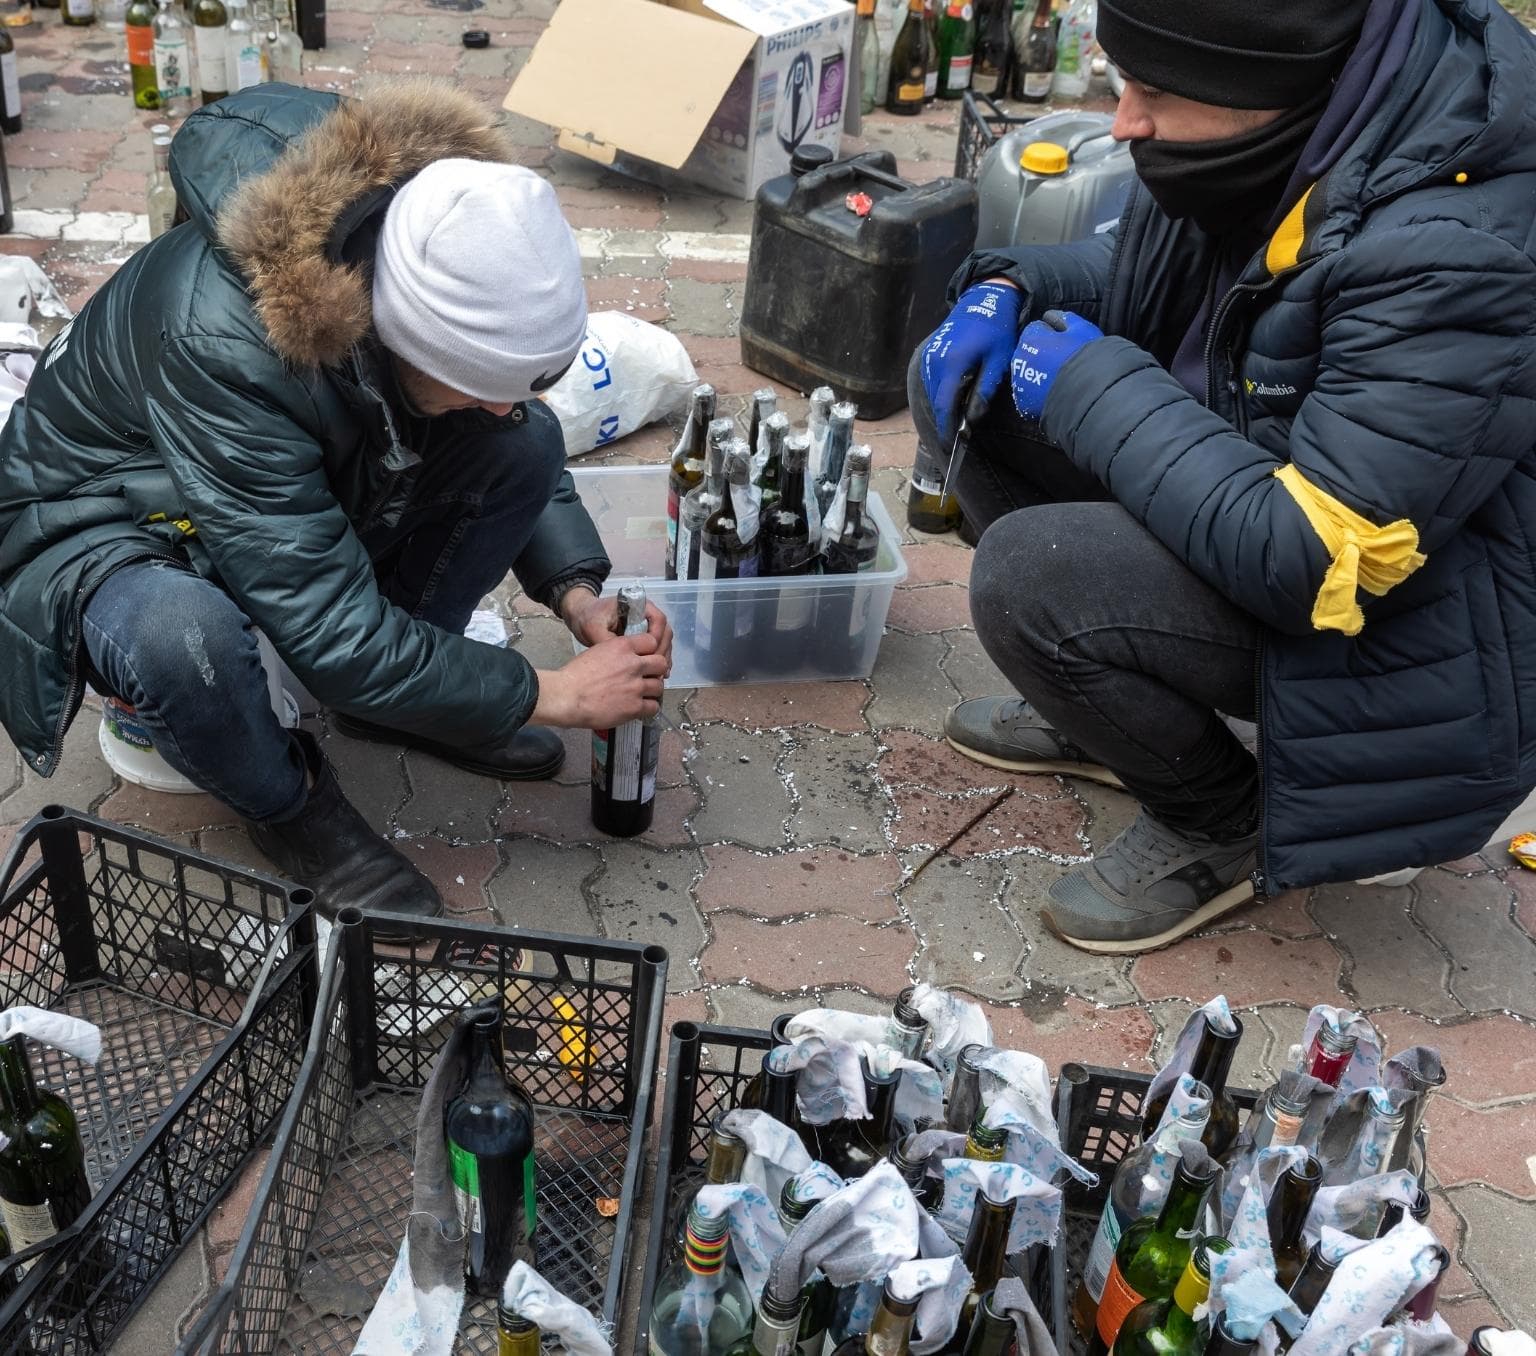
[813,628]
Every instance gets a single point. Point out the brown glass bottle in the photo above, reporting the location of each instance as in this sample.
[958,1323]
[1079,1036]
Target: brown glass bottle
[1309,1286]
[986,1249]
[1289,1205]
[851,1148]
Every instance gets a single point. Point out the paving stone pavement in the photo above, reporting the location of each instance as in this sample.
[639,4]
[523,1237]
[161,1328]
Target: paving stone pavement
[791,819]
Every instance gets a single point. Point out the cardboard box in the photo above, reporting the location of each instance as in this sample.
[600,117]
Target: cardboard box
[719,91]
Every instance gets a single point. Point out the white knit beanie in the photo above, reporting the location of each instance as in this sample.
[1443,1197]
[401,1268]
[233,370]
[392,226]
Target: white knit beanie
[477,280]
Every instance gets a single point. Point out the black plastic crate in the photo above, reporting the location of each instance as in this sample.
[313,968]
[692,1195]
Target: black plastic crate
[982,122]
[707,1067]
[202,978]
[583,1022]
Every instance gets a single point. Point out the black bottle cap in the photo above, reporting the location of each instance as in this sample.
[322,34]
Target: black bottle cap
[476,37]
[809,157]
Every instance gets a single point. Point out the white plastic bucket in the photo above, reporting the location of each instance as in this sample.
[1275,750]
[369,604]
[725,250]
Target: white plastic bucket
[130,753]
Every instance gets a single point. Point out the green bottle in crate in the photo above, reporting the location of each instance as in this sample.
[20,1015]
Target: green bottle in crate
[43,1186]
[489,1127]
[1168,1327]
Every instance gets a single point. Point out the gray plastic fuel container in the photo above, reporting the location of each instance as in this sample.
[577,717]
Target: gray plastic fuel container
[1059,177]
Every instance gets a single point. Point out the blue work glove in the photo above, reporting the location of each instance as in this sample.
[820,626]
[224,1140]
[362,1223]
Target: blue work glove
[1044,347]
[970,349]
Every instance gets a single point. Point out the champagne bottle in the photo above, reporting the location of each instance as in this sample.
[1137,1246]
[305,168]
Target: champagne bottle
[728,550]
[173,61]
[700,1280]
[10,85]
[1308,1287]
[1035,57]
[928,1190]
[994,43]
[957,48]
[984,1143]
[858,542]
[162,192]
[210,26]
[1222,1343]
[703,499]
[1135,1193]
[515,1335]
[79,13]
[1167,1327]
[138,26]
[890,1330]
[866,39]
[819,1294]
[1151,1255]
[1289,1205]
[1329,1054]
[770,476]
[965,1091]
[834,454]
[909,64]
[851,1148]
[245,50]
[43,1186]
[489,1127]
[909,1028]
[1210,1065]
[986,1249]
[687,470]
[285,59]
[624,757]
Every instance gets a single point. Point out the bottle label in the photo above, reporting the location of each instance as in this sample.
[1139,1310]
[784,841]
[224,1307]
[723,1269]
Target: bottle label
[984,80]
[1037,84]
[634,761]
[250,65]
[959,11]
[671,518]
[931,83]
[11,84]
[1115,1303]
[793,613]
[171,69]
[1287,1130]
[909,92]
[141,45]
[27,1224]
[211,59]
[80,9]
[1102,1255]
[958,78]
[684,561]
[465,1170]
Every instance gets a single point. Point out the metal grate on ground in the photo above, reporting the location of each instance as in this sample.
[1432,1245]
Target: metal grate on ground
[201,977]
[583,1021]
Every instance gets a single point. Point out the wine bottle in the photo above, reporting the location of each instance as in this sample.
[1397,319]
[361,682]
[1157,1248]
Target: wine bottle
[1210,1065]
[819,1295]
[904,90]
[834,455]
[765,402]
[931,510]
[778,1032]
[703,499]
[994,44]
[957,48]
[1222,1343]
[852,1147]
[890,1330]
[9,1278]
[928,1190]
[1478,1343]
[816,420]
[1316,1272]
[781,1101]
[43,1186]
[1420,1306]
[992,1332]
[770,474]
[162,192]
[984,1143]
[139,29]
[245,48]
[857,544]
[728,550]
[79,13]
[515,1335]
[1418,1210]
[624,757]
[10,85]
[489,1128]
[1151,1255]
[1289,1205]
[775,1329]
[1035,56]
[866,39]
[700,1281]
[687,464]
[173,61]
[985,1251]
[788,549]
[1135,1193]
[1167,1327]
[210,28]
[965,1091]
[1329,1054]
[1371,1152]
[909,1028]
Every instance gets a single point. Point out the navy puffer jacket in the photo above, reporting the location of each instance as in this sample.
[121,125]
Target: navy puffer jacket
[1368,435]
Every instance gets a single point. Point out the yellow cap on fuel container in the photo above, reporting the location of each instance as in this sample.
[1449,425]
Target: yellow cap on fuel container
[1044,157]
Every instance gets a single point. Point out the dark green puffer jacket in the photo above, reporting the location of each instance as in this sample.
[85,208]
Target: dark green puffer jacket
[1378,359]
[218,403]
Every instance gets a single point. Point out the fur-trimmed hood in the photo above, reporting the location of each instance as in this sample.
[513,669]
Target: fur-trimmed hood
[286,226]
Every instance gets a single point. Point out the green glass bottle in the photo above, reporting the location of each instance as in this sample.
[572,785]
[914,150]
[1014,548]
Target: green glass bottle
[1167,1327]
[992,1332]
[43,1186]
[818,1295]
[1308,1287]
[984,1143]
[957,48]
[210,31]
[1151,1255]
[138,24]
[515,1335]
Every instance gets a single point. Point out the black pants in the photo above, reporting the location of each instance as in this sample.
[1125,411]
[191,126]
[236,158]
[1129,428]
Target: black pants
[1106,632]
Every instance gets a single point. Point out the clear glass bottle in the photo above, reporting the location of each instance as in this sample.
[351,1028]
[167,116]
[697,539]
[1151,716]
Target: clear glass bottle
[701,1274]
[247,51]
[173,61]
[687,464]
[867,40]
[210,27]
[775,1329]
[1329,1054]
[819,1295]
[909,1028]
[285,59]
[162,192]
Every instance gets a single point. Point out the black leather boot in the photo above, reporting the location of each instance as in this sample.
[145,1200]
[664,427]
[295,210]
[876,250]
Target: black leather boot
[532,754]
[329,847]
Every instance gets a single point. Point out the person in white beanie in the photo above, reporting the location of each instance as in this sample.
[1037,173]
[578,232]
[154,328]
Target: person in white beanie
[312,408]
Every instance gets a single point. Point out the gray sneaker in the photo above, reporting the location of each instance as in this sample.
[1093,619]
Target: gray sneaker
[1148,888]
[1007,732]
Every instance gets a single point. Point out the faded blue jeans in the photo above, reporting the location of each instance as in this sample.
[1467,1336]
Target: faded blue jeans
[154,631]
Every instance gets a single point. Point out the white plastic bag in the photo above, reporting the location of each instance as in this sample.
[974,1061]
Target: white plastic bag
[628,374]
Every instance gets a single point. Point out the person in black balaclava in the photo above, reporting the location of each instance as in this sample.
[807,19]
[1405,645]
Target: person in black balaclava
[1268,451]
